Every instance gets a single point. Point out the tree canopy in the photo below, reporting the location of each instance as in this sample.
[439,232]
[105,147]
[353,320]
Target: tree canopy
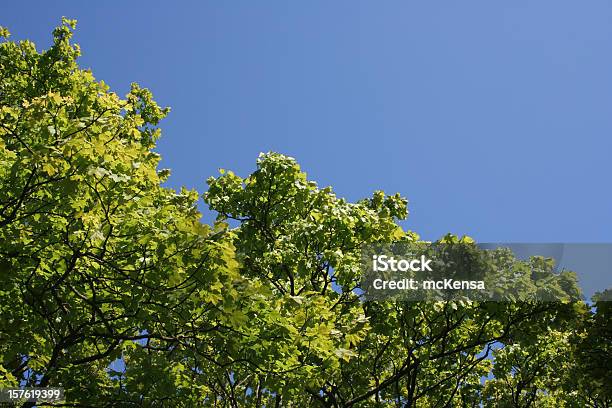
[113,288]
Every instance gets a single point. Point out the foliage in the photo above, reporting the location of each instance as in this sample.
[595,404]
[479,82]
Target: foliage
[112,287]
[95,254]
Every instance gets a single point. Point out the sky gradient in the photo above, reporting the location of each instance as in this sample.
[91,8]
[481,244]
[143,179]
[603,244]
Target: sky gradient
[493,118]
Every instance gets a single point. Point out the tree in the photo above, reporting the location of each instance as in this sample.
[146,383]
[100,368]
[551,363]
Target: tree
[94,254]
[305,242]
[586,380]
[112,287]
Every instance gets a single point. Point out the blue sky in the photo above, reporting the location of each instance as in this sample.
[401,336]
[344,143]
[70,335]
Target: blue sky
[493,118]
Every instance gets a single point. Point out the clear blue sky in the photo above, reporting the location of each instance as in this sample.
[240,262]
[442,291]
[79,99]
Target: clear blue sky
[493,118]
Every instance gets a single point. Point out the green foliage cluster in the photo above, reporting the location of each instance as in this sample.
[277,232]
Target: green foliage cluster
[113,288]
